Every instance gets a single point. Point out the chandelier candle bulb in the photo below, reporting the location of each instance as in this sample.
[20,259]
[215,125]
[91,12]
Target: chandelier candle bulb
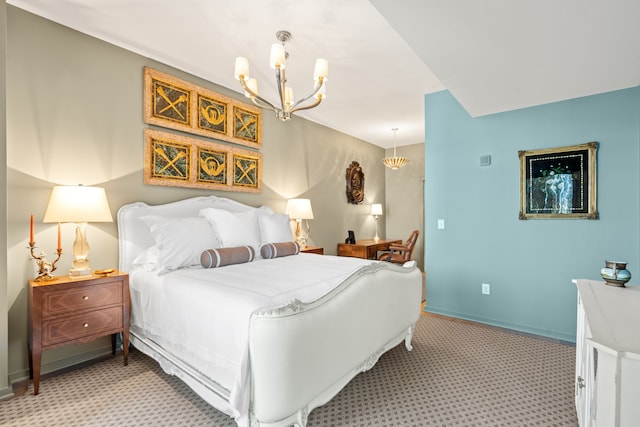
[276,59]
[242,68]
[288,98]
[321,70]
[252,84]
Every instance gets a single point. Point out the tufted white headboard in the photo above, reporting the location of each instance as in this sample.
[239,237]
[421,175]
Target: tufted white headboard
[134,236]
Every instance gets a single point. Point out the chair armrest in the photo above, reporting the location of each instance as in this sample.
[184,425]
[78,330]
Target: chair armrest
[397,248]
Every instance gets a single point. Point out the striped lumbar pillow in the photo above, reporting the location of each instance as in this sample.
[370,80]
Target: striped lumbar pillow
[212,258]
[275,250]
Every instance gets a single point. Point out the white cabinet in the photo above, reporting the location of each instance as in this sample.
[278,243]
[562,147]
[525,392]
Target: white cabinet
[607,355]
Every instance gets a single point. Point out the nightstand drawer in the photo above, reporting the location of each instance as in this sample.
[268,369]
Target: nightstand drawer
[99,322]
[78,298]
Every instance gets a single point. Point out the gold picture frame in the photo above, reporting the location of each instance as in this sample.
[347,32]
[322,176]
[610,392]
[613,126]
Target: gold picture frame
[559,183]
[175,160]
[212,165]
[171,102]
[246,124]
[212,114]
[170,160]
[246,170]
[176,104]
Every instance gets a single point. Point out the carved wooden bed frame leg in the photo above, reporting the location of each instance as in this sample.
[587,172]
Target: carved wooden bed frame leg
[408,337]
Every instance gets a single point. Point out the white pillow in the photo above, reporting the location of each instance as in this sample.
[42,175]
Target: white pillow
[180,240]
[275,228]
[148,258]
[234,228]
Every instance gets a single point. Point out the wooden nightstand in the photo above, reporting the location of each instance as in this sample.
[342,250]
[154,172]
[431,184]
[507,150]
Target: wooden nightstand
[312,250]
[70,311]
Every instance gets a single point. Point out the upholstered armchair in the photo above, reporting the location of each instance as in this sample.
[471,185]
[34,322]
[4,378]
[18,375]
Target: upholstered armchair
[399,254]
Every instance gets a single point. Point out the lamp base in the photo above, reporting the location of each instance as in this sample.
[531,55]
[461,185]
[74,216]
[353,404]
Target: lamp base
[80,272]
[80,268]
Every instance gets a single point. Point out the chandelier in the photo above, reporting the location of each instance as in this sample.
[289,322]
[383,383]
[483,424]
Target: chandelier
[287,104]
[395,162]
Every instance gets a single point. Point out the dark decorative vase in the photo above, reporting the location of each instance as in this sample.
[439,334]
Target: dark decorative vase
[615,273]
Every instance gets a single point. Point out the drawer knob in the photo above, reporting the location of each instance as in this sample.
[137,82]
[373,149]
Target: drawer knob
[85,325]
[581,383]
[85,298]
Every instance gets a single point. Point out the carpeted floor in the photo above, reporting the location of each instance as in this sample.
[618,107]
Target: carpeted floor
[458,374]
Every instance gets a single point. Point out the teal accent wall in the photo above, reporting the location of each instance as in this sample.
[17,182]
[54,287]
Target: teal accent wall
[529,264]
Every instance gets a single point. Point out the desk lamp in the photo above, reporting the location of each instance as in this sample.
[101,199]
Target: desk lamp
[376,210]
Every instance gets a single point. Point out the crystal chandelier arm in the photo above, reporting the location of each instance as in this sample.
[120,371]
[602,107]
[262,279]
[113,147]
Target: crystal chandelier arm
[318,86]
[255,98]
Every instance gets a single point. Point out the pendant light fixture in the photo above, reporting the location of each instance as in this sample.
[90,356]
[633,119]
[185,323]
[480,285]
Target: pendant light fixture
[395,162]
[286,105]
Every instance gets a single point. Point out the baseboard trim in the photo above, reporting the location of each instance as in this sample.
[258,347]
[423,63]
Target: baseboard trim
[567,339]
[62,364]
[6,393]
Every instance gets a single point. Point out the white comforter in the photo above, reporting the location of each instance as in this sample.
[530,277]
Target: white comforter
[202,315]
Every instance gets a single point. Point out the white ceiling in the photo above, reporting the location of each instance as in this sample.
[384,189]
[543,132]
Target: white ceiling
[493,55]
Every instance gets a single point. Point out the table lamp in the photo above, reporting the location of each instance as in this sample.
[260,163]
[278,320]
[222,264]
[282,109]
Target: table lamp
[376,211]
[299,209]
[78,204]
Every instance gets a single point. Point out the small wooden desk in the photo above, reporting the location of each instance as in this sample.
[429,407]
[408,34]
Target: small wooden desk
[367,249]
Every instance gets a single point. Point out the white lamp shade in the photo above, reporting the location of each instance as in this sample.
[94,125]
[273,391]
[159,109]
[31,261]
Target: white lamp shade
[376,209]
[277,57]
[321,69]
[299,209]
[252,84]
[288,97]
[77,203]
[242,68]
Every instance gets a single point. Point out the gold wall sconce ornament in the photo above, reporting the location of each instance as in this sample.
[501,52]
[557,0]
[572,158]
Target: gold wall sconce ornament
[355,183]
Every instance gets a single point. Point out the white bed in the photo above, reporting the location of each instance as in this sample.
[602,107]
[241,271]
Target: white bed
[265,341]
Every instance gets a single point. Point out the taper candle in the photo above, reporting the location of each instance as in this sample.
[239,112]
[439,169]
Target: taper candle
[59,241]
[31,242]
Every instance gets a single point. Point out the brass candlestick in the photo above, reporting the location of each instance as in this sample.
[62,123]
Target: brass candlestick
[45,268]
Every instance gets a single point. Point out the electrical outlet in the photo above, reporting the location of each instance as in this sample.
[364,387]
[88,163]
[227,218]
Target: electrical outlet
[441,224]
[486,289]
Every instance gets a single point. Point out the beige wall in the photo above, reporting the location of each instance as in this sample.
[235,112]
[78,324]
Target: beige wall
[75,115]
[5,390]
[404,210]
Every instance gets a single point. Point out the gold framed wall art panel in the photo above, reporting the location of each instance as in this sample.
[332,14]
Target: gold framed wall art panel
[177,104]
[212,166]
[247,170]
[175,160]
[246,124]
